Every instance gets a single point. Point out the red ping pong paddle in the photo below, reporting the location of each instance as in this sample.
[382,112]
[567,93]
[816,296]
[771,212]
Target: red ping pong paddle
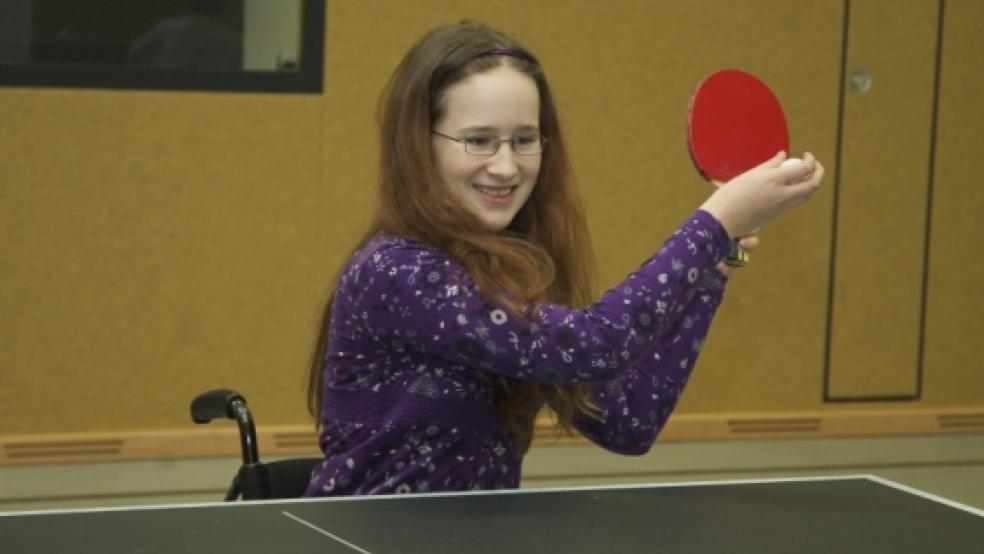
[734,123]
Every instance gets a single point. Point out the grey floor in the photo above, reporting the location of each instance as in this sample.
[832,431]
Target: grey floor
[948,466]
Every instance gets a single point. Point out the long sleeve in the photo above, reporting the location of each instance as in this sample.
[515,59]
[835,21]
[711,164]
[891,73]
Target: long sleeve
[404,296]
[636,405]
[404,407]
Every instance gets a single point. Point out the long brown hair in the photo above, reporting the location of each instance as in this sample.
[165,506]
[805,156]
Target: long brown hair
[544,254]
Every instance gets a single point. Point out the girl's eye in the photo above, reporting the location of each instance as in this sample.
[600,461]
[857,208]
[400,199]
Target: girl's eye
[479,141]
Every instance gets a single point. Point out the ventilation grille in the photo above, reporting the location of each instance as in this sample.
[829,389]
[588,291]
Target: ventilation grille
[961,422]
[295,441]
[40,451]
[779,426]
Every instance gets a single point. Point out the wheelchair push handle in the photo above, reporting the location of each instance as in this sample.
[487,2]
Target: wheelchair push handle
[280,479]
[214,404]
[226,403]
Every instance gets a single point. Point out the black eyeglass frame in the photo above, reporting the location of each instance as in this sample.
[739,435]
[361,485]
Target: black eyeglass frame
[498,144]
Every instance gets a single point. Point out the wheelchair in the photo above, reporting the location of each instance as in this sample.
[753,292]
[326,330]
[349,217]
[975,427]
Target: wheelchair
[255,480]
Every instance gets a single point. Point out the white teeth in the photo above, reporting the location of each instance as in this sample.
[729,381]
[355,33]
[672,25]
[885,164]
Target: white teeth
[495,192]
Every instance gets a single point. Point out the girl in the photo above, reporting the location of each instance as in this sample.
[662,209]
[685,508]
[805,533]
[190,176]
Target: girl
[467,306]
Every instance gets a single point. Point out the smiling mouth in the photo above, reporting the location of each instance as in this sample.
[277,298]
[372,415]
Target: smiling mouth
[495,192]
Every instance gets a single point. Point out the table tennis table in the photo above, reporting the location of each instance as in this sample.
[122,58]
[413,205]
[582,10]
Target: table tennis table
[862,513]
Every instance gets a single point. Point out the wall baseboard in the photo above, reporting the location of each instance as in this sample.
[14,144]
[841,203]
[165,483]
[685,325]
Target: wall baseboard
[294,440]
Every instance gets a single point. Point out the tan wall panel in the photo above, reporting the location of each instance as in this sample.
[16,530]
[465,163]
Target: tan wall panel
[954,371]
[163,310]
[157,244]
[881,209]
[154,244]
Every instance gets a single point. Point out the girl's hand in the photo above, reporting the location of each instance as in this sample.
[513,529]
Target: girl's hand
[760,194]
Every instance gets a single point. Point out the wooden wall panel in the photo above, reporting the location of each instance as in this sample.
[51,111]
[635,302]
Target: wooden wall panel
[884,184]
[156,244]
[153,245]
[954,365]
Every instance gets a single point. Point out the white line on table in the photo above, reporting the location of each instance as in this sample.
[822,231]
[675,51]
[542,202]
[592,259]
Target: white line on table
[326,533]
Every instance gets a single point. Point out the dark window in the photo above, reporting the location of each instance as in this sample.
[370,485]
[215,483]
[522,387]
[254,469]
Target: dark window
[230,45]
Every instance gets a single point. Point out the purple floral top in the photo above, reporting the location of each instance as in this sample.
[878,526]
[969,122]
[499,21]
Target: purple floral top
[405,409]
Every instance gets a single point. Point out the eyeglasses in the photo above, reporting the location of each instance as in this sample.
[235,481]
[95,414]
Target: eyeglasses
[488,145]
